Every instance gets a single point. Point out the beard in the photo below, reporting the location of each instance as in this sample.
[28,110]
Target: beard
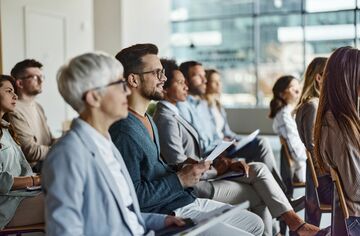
[152,95]
[196,91]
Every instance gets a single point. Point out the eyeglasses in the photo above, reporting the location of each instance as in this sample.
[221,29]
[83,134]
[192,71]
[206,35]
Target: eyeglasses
[34,77]
[121,81]
[158,72]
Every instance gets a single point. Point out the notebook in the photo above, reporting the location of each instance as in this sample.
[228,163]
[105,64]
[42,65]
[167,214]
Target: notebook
[244,141]
[213,218]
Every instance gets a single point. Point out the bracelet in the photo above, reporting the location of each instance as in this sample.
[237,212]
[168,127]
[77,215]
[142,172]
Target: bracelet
[33,181]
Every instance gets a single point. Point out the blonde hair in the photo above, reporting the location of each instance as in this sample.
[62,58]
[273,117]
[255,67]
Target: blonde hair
[311,87]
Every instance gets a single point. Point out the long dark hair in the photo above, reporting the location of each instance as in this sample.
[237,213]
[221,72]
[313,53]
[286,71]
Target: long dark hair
[279,87]
[339,95]
[4,78]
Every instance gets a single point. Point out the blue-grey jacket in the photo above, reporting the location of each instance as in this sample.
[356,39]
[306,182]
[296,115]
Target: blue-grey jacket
[12,164]
[157,186]
[81,196]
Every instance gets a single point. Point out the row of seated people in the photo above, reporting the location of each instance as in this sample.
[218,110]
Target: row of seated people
[292,218]
[158,188]
[325,122]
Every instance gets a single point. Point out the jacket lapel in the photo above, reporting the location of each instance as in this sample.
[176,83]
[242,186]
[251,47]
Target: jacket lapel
[168,112]
[100,164]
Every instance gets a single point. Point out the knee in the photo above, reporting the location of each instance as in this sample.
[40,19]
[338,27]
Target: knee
[258,225]
[258,169]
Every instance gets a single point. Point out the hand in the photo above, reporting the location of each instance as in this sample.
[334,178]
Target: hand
[173,220]
[222,165]
[190,160]
[37,180]
[190,175]
[240,166]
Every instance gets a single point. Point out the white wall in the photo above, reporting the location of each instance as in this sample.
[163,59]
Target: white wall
[119,24]
[28,31]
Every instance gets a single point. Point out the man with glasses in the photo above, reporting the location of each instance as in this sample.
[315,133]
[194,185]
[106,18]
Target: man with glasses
[29,119]
[158,188]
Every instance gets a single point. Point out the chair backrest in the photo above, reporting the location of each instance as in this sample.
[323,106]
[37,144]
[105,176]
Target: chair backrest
[339,213]
[290,162]
[18,230]
[286,151]
[312,169]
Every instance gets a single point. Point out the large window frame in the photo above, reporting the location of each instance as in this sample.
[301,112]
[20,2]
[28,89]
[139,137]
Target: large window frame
[256,16]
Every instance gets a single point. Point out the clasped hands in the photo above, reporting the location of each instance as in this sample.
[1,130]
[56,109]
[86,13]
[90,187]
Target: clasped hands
[190,174]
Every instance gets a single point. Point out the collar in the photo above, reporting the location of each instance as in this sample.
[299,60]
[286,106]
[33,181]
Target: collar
[97,138]
[171,106]
[193,100]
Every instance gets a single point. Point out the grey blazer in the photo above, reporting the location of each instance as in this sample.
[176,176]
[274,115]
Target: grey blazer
[81,196]
[178,139]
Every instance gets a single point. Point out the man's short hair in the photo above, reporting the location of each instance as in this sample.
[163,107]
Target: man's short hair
[86,72]
[170,66]
[19,69]
[185,67]
[130,57]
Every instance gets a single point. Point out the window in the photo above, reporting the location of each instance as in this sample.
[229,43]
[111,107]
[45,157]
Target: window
[253,42]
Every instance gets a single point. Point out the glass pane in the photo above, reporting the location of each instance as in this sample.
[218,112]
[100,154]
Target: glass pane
[226,45]
[267,6]
[329,5]
[328,31]
[281,52]
[190,9]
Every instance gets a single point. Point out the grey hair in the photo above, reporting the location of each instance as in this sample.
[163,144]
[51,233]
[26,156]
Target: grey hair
[85,72]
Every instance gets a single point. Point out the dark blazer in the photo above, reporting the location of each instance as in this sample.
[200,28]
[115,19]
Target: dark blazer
[157,186]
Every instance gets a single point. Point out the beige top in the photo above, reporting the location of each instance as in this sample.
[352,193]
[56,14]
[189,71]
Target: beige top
[34,135]
[340,154]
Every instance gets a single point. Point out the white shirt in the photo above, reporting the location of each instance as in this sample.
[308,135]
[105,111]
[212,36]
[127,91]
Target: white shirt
[285,126]
[219,120]
[104,146]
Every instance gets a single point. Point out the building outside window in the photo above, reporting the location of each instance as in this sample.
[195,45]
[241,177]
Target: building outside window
[253,42]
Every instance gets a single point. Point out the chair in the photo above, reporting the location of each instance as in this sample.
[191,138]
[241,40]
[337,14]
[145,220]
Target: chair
[339,213]
[290,162]
[311,193]
[19,230]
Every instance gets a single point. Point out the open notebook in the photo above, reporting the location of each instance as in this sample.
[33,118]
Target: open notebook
[240,144]
[213,219]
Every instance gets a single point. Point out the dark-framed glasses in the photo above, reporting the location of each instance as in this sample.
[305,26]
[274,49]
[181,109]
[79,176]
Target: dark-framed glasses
[157,72]
[34,77]
[118,82]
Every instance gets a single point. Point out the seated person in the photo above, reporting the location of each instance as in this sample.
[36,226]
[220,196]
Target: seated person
[305,121]
[28,119]
[195,110]
[160,189]
[88,190]
[337,127]
[18,207]
[179,145]
[286,92]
